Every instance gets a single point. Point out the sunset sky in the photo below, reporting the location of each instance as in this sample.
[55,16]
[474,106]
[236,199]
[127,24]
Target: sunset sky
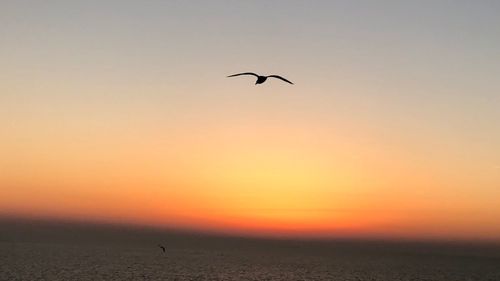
[120,111]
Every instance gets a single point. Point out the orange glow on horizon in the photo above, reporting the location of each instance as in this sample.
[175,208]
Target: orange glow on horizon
[269,180]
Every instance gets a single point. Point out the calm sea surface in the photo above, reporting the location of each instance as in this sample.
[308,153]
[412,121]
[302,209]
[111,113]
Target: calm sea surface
[249,261]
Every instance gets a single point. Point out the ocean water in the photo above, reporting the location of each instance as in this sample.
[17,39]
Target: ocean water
[242,260]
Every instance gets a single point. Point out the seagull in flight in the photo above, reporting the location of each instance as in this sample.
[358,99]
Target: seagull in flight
[261,79]
[162,248]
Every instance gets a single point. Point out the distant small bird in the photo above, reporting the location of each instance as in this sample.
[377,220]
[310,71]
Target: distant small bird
[261,79]
[162,248]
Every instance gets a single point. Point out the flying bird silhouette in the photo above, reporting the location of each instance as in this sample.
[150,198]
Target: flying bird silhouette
[162,248]
[261,79]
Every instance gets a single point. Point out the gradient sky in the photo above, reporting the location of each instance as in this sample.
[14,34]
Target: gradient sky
[121,111]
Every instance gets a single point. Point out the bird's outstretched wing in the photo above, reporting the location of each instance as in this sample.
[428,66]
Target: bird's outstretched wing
[281,78]
[244,73]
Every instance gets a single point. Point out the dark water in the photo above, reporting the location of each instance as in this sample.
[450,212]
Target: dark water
[23,256]
[48,261]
